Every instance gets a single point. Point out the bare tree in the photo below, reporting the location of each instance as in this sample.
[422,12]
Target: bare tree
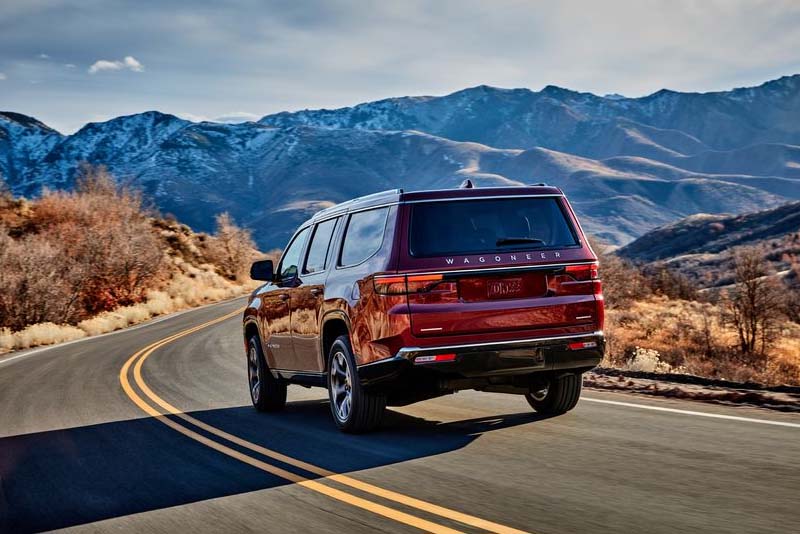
[674,285]
[792,282]
[231,248]
[622,281]
[755,304]
[96,180]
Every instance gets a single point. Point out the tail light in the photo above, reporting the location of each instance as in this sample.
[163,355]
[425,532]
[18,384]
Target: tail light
[427,288]
[576,280]
[583,273]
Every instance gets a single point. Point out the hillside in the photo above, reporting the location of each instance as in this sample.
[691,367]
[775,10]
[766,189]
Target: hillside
[701,246]
[628,164]
[90,261]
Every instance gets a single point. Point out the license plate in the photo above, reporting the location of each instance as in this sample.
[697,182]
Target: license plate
[503,289]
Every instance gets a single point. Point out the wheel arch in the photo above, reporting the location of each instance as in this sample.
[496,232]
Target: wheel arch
[334,324]
[250,330]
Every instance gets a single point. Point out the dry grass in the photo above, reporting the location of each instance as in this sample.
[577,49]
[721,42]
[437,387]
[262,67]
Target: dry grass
[192,286]
[659,334]
[97,260]
[38,334]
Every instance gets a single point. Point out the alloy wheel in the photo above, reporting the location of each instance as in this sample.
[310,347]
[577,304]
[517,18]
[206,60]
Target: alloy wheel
[341,386]
[254,374]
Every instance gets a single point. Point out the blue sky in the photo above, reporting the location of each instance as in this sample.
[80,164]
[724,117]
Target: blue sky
[68,63]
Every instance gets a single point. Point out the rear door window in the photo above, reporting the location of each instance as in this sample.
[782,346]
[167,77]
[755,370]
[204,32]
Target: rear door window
[318,250]
[364,236]
[488,225]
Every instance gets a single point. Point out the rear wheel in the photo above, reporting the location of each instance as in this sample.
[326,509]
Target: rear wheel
[354,409]
[559,395]
[267,392]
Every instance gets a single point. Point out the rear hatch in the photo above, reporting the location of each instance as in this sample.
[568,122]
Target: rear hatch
[484,265]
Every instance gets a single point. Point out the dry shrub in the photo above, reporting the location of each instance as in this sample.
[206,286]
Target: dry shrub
[622,281]
[96,258]
[231,249]
[83,252]
[39,284]
[183,291]
[6,340]
[39,334]
[754,306]
[114,320]
[664,281]
[106,233]
[671,335]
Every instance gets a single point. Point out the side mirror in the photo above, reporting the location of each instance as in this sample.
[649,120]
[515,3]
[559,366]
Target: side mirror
[262,270]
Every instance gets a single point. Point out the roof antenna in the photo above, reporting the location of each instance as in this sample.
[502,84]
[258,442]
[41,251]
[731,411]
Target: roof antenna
[466,184]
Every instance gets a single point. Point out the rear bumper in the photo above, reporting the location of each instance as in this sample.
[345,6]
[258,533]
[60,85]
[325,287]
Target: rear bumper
[516,357]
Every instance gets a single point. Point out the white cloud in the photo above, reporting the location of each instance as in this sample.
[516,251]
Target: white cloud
[129,63]
[69,65]
[192,117]
[235,117]
[133,64]
[43,56]
[3,76]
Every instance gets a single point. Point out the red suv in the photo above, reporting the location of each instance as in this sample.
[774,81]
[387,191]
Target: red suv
[398,297]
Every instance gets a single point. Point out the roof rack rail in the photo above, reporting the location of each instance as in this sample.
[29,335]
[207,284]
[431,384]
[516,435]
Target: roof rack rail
[540,184]
[397,191]
[346,203]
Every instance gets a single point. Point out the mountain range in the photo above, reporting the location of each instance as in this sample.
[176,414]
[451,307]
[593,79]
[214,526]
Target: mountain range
[627,164]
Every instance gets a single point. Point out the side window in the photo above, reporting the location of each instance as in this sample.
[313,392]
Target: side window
[317,259]
[291,257]
[364,236]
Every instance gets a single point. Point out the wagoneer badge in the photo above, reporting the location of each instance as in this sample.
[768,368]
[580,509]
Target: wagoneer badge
[527,256]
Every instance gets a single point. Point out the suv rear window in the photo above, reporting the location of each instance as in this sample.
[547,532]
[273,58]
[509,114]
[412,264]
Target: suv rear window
[488,225]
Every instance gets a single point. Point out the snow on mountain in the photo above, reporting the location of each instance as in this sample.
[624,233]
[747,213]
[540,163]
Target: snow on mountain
[627,164]
[23,142]
[582,123]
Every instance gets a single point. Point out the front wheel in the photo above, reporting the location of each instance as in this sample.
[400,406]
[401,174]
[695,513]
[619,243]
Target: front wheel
[354,409]
[559,396]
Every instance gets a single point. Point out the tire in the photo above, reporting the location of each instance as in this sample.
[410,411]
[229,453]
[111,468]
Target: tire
[267,392]
[354,410]
[562,395]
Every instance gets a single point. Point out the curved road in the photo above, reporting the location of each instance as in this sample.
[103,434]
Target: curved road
[84,446]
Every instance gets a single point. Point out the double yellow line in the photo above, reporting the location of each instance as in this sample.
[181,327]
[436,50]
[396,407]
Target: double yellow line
[161,410]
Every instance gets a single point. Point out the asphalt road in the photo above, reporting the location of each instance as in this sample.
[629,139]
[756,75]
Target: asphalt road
[80,449]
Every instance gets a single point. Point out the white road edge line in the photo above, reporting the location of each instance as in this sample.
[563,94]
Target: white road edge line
[690,412]
[149,322]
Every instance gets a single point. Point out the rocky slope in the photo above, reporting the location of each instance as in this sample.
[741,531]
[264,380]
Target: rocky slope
[702,246]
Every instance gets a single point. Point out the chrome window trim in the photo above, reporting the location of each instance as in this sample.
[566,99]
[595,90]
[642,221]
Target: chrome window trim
[347,211]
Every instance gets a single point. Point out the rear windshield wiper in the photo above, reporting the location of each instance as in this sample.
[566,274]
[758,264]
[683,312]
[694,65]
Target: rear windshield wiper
[518,241]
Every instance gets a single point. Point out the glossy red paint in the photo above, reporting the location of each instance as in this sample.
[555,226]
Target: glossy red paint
[393,302]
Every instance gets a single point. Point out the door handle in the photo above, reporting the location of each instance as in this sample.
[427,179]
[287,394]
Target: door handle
[315,291]
[283,296]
